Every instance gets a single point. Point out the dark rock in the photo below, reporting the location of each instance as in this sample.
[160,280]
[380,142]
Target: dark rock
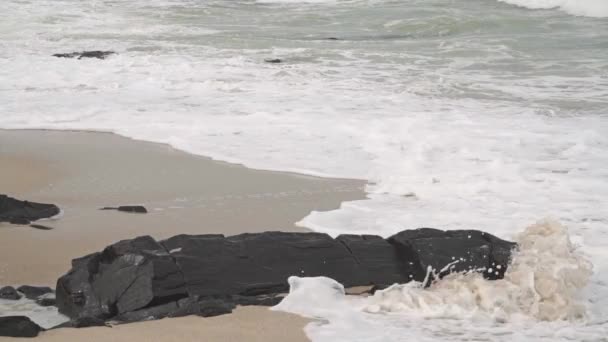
[33,292]
[379,262]
[439,253]
[128,209]
[85,54]
[47,300]
[146,314]
[127,276]
[18,326]
[40,227]
[214,307]
[23,212]
[83,322]
[269,300]
[273,60]
[206,307]
[9,292]
[252,264]
[207,275]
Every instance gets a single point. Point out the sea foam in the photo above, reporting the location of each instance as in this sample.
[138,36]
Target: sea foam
[543,284]
[589,8]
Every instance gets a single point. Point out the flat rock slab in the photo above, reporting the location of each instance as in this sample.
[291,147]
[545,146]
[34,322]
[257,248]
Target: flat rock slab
[207,275]
[23,212]
[18,326]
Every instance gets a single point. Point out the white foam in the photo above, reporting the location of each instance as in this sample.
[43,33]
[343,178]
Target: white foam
[459,116]
[542,289]
[589,8]
[44,316]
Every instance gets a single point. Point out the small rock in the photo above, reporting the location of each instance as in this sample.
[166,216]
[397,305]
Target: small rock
[46,300]
[23,212]
[33,292]
[273,60]
[41,227]
[128,209]
[9,292]
[18,326]
[85,54]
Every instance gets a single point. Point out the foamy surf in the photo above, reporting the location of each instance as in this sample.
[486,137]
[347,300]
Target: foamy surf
[540,298]
[465,114]
[45,316]
[588,8]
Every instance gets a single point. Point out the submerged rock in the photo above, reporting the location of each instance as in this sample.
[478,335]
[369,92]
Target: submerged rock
[9,293]
[18,326]
[23,212]
[85,54]
[207,275]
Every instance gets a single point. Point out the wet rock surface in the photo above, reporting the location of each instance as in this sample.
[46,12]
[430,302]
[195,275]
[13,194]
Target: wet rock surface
[18,326]
[208,275]
[23,212]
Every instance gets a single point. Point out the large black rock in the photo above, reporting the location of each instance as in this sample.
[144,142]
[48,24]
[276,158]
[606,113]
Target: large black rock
[206,275]
[18,326]
[23,212]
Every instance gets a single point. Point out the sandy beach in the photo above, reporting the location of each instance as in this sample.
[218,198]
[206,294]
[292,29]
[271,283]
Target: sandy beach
[83,171]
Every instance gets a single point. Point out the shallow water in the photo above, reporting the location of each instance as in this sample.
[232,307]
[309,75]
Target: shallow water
[461,114]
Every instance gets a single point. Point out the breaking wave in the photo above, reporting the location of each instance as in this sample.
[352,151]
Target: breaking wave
[587,8]
[543,284]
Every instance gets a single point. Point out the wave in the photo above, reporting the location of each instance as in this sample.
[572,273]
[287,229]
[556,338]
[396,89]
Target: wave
[587,8]
[540,298]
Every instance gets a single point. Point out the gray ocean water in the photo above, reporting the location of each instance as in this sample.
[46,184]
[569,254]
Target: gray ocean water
[460,113]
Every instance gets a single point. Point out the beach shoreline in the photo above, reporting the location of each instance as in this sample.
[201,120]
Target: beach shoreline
[82,171]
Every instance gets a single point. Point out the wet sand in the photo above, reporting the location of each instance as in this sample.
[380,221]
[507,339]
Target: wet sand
[84,171]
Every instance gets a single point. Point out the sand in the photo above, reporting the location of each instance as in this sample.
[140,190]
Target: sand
[84,171]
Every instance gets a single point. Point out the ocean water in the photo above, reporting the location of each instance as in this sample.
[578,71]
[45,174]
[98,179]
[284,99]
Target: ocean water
[476,114]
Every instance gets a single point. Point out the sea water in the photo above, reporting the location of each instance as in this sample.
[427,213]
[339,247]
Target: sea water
[474,114]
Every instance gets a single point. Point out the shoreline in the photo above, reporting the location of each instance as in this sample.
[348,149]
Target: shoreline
[184,193]
[82,171]
[217,159]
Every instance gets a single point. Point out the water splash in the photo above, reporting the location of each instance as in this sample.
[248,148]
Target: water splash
[543,282]
[540,298]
